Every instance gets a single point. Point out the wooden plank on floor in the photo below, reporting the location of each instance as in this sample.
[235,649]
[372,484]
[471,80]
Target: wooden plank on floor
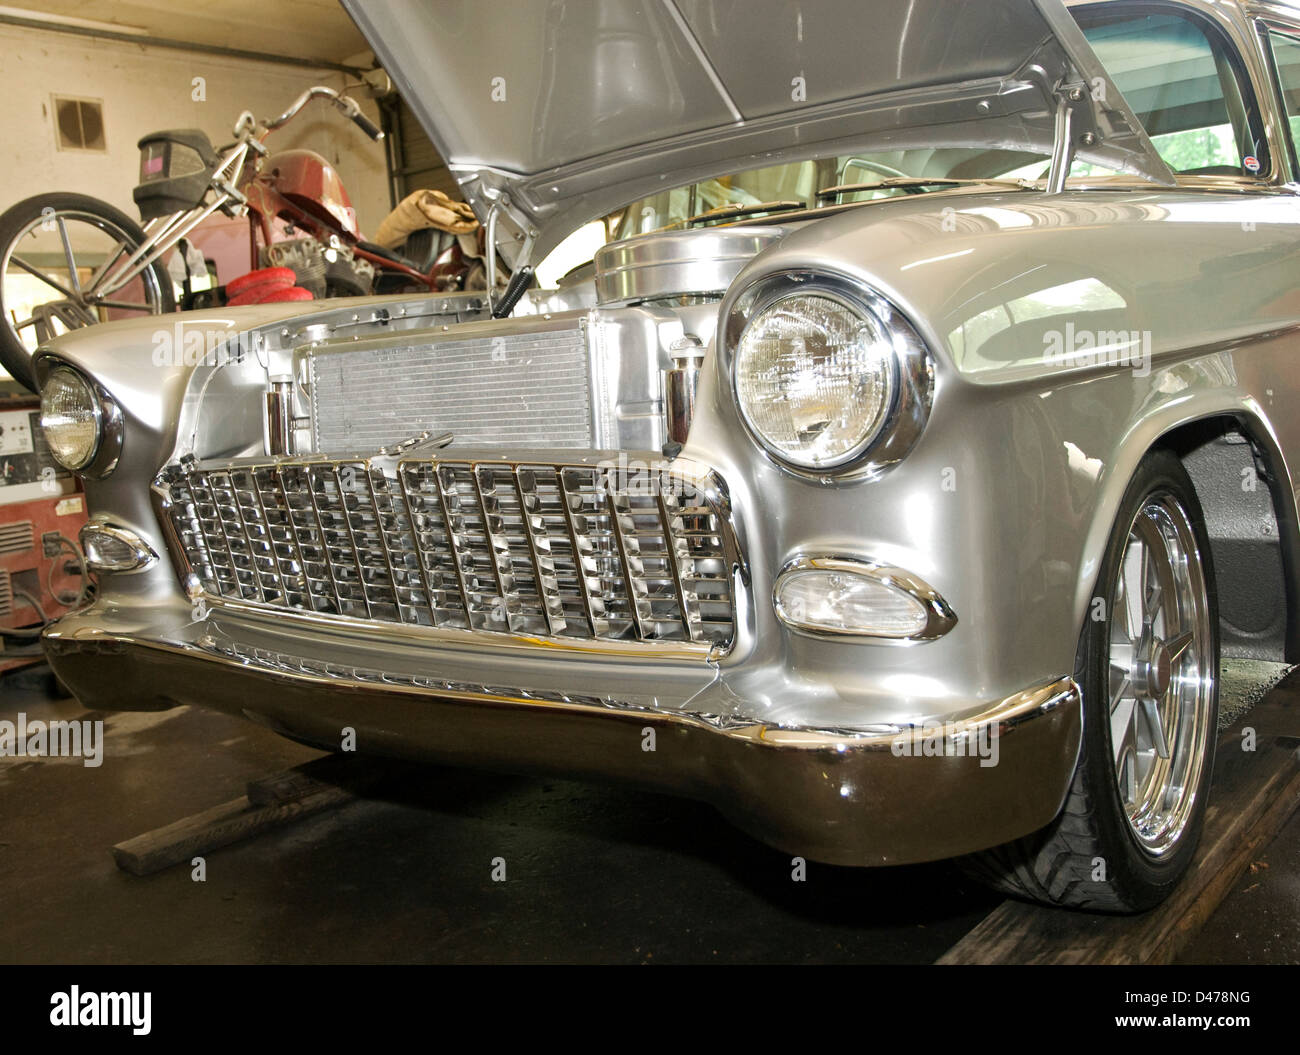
[272,802]
[290,785]
[1253,794]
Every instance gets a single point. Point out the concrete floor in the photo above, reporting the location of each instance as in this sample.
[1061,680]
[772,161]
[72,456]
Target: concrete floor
[594,873]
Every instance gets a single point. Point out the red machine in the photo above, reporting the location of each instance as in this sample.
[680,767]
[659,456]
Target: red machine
[42,509]
[302,188]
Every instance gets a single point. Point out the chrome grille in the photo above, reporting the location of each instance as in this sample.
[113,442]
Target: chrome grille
[537,549]
[512,390]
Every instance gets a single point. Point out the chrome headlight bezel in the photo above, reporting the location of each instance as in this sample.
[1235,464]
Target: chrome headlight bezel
[938,616]
[109,424]
[911,379]
[139,554]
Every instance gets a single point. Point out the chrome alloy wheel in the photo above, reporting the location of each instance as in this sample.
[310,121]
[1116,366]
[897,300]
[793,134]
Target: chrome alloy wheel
[1161,673]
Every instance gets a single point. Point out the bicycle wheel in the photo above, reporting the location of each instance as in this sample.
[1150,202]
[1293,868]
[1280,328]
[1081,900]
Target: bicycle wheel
[62,257]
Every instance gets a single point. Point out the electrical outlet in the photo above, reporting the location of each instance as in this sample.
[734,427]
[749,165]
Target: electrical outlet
[50,544]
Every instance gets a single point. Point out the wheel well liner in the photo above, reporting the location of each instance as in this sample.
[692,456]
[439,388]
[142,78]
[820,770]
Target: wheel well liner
[1245,492]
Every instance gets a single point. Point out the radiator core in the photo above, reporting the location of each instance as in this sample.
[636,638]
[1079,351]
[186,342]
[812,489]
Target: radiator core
[526,389]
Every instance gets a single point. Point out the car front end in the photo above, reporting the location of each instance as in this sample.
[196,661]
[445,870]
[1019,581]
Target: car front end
[726,520]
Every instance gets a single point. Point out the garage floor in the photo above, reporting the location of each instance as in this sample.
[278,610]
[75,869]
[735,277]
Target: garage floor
[594,874]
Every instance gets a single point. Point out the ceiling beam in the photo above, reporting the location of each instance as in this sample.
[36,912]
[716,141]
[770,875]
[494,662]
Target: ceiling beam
[177,45]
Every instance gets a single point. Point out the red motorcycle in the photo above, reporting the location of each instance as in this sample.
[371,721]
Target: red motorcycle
[68,260]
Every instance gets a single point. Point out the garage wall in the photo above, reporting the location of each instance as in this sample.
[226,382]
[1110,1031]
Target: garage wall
[144,89]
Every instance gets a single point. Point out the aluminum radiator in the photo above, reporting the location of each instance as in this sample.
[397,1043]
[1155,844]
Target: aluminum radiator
[528,386]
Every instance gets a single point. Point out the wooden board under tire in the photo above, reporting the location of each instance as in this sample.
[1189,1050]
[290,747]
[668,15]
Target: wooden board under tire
[1252,795]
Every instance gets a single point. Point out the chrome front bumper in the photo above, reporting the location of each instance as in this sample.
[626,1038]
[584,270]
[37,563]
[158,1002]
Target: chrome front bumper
[853,797]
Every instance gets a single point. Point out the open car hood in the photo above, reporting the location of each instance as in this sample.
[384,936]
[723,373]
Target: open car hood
[560,111]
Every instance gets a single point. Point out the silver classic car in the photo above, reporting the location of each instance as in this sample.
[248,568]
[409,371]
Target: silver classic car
[894,480]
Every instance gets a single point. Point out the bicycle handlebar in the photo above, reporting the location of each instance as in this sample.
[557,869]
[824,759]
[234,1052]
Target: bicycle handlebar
[346,105]
[353,112]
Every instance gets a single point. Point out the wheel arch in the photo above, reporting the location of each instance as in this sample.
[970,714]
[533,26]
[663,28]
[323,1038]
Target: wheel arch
[1254,530]
[1244,486]
[1242,481]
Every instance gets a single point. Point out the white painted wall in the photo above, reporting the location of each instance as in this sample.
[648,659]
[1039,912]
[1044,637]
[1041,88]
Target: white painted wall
[145,89]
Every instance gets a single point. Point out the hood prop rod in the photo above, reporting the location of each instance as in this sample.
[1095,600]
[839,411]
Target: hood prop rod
[510,295]
[1063,146]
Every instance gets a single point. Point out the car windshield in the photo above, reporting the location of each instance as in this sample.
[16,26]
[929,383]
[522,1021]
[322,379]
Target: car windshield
[1183,85]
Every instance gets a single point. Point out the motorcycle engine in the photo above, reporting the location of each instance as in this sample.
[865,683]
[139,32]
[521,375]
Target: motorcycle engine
[328,271]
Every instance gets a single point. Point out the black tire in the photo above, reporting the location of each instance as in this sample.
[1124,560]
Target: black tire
[19,218]
[1091,856]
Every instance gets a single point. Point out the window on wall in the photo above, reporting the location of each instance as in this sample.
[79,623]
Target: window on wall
[1183,85]
[1286,53]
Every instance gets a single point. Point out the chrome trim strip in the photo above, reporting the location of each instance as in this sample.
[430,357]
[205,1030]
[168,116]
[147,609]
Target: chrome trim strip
[452,541]
[1277,120]
[1004,714]
[579,568]
[278,476]
[625,560]
[109,452]
[430,636]
[548,587]
[352,540]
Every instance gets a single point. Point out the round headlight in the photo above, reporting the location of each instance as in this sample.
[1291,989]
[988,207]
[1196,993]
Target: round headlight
[71,418]
[815,378]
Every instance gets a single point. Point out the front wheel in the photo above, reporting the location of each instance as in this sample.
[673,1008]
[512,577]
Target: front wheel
[1148,666]
[60,258]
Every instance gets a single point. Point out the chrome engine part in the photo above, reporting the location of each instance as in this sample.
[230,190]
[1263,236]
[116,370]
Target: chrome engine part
[561,374]
[673,264]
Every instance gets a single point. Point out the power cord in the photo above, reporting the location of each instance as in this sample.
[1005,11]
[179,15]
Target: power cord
[27,632]
[31,633]
[78,599]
